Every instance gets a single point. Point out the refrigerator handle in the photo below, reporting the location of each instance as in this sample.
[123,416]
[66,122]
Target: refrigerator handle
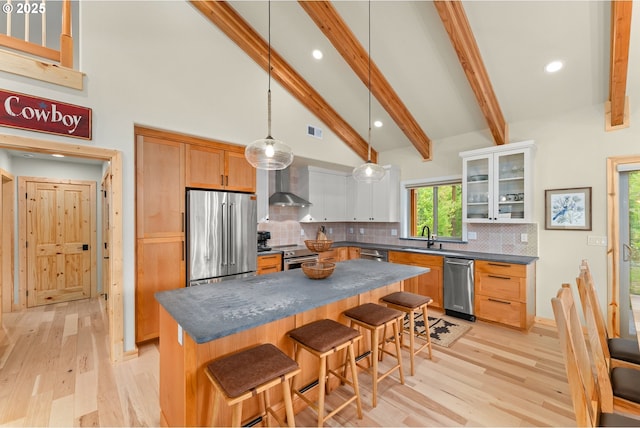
[223,226]
[232,234]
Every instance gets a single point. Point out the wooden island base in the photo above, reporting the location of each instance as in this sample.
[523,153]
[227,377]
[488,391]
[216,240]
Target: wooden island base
[185,391]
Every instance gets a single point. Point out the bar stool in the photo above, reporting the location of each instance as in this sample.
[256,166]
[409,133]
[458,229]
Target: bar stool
[375,318]
[410,303]
[323,338]
[240,376]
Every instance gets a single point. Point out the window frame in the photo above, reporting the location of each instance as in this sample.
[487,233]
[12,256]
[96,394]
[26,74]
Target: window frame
[407,205]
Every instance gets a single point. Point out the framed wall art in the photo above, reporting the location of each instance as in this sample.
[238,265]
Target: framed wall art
[568,209]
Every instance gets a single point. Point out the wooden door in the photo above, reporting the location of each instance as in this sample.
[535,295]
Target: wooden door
[205,167]
[241,176]
[59,253]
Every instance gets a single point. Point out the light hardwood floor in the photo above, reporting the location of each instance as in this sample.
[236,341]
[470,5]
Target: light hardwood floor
[55,371]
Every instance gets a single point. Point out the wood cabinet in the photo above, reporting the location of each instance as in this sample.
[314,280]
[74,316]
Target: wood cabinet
[497,184]
[269,263]
[327,192]
[334,255]
[375,202]
[166,164]
[354,253]
[427,284]
[218,168]
[160,263]
[505,293]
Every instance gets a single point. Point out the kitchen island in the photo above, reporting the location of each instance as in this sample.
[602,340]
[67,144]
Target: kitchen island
[198,324]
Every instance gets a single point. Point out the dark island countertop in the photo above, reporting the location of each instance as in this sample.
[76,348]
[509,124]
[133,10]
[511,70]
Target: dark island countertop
[208,312]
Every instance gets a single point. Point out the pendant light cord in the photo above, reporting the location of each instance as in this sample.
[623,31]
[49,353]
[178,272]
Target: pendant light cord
[269,71]
[369,85]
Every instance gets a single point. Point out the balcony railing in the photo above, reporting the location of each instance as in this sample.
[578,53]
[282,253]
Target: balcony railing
[24,14]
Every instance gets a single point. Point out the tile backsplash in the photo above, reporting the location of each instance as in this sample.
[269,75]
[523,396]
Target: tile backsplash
[490,238]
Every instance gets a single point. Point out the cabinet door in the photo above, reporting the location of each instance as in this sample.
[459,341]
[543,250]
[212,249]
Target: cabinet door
[360,198]
[513,200]
[380,199]
[205,167]
[160,266]
[316,197]
[477,190]
[335,197]
[159,187]
[240,175]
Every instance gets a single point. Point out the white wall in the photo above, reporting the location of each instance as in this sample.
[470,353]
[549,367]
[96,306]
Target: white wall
[5,160]
[162,64]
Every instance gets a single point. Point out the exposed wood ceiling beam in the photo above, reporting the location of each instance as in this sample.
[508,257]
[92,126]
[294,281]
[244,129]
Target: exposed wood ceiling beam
[237,29]
[336,30]
[619,62]
[455,22]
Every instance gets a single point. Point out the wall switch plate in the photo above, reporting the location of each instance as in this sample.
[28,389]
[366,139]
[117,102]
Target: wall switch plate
[394,232]
[351,230]
[361,231]
[301,232]
[524,237]
[330,230]
[600,241]
[472,235]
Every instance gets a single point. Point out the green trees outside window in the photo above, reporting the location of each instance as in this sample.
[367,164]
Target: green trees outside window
[440,208]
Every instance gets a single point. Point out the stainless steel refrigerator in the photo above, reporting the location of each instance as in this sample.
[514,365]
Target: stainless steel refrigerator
[221,236]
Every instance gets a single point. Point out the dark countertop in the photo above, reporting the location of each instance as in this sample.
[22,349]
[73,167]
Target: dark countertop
[492,257]
[208,312]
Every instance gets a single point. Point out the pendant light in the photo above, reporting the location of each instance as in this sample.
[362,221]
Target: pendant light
[369,172]
[269,153]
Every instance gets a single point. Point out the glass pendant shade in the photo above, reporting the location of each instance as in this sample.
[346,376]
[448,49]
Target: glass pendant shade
[369,172]
[269,154]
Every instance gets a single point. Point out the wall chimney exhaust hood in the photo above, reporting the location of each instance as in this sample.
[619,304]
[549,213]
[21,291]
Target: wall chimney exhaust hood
[282,197]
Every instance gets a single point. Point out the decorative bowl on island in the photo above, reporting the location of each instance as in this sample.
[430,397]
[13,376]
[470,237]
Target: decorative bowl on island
[318,245]
[318,270]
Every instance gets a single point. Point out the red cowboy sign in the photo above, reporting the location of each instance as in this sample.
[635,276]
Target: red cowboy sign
[43,115]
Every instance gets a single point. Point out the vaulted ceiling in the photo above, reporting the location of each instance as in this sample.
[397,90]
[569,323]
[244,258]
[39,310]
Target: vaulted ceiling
[438,69]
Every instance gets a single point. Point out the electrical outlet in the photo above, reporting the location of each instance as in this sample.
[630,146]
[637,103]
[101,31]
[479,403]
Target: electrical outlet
[351,230]
[330,230]
[394,232]
[361,231]
[524,237]
[599,241]
[472,235]
[301,232]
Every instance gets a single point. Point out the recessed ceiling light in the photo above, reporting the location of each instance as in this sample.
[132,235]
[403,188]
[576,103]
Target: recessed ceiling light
[553,66]
[377,124]
[317,54]
[57,155]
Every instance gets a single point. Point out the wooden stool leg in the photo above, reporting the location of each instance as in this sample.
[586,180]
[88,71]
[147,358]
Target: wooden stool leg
[398,354]
[412,340]
[354,378]
[426,327]
[236,419]
[322,379]
[288,403]
[215,404]
[375,343]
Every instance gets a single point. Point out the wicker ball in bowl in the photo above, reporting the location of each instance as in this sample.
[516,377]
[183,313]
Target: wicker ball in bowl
[318,270]
[318,245]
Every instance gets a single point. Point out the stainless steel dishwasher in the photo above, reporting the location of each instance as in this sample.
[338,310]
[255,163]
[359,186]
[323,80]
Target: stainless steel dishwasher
[374,254]
[458,288]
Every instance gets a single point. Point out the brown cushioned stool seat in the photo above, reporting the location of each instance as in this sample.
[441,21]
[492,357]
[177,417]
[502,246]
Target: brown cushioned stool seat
[323,338]
[242,375]
[624,349]
[377,318]
[410,303]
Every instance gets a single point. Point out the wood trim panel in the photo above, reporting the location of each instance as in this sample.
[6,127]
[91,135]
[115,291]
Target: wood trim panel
[237,29]
[23,65]
[619,61]
[28,47]
[8,241]
[162,134]
[455,22]
[327,18]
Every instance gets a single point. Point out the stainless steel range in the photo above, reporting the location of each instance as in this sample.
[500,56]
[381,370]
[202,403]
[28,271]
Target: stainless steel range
[294,255]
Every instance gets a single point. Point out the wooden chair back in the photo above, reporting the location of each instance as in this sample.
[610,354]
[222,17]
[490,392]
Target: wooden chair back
[584,393]
[591,308]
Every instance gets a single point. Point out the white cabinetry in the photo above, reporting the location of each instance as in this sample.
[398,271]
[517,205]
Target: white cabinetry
[375,202]
[327,192]
[497,184]
[262,195]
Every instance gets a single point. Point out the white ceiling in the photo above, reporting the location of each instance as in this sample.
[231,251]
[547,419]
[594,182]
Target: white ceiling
[411,48]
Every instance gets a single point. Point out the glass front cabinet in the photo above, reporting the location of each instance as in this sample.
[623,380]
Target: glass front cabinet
[497,184]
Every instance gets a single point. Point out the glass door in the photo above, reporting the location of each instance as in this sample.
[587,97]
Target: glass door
[629,247]
[511,189]
[477,179]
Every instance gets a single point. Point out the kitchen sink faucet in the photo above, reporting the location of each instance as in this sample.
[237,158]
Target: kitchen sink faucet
[430,242]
